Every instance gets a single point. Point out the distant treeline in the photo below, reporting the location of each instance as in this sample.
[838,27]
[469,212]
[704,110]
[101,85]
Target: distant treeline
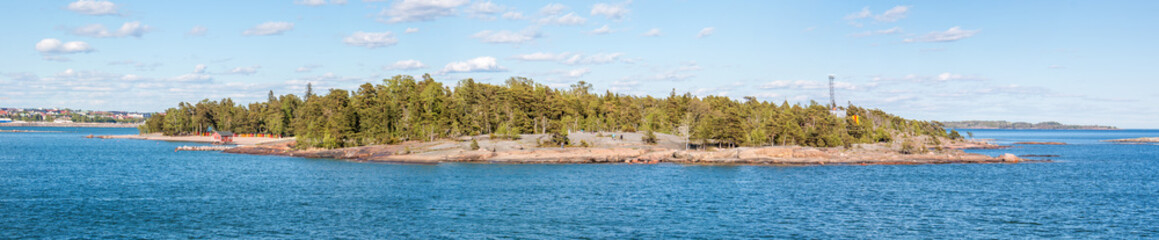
[1020,125]
[403,108]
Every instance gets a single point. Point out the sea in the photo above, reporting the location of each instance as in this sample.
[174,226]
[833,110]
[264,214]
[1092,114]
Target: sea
[61,185]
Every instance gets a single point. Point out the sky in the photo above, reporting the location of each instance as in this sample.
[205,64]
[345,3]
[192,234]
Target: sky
[1077,62]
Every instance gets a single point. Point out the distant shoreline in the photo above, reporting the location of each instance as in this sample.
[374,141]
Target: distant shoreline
[1005,125]
[53,124]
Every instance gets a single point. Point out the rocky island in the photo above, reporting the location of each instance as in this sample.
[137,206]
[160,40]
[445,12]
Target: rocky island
[422,121]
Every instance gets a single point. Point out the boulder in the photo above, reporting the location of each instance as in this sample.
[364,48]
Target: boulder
[1007,157]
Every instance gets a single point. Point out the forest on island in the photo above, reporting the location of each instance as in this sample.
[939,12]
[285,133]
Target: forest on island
[403,108]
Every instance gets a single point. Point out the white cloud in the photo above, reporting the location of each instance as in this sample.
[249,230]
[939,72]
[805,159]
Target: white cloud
[406,65]
[802,84]
[197,31]
[539,56]
[479,64]
[602,30]
[370,40]
[864,13]
[614,12]
[943,77]
[652,33]
[705,32]
[307,68]
[54,46]
[505,36]
[552,9]
[894,30]
[485,10]
[91,7]
[568,19]
[575,73]
[135,29]
[200,68]
[244,70]
[513,16]
[192,78]
[571,58]
[412,30]
[893,14]
[420,10]
[269,28]
[953,34]
[310,2]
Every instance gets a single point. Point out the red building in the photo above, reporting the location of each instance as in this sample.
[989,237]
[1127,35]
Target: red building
[222,137]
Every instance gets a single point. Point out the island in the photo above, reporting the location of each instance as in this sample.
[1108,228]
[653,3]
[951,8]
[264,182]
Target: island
[1020,125]
[407,120]
[1136,140]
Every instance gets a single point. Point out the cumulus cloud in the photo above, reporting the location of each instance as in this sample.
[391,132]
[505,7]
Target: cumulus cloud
[197,31]
[244,70]
[370,39]
[552,9]
[485,10]
[92,7]
[135,29]
[200,68]
[953,34]
[614,12]
[412,30]
[479,64]
[505,36]
[420,10]
[406,65]
[652,33]
[568,19]
[705,32]
[55,46]
[602,30]
[571,58]
[269,28]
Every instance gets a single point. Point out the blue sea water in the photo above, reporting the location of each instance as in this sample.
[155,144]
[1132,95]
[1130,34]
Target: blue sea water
[61,185]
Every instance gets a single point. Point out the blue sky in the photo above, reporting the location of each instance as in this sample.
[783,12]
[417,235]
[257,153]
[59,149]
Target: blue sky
[1079,62]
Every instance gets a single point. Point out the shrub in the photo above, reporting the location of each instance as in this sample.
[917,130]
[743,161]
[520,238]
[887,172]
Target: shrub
[649,137]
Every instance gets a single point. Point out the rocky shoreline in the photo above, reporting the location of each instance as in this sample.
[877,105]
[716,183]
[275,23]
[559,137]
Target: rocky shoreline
[458,151]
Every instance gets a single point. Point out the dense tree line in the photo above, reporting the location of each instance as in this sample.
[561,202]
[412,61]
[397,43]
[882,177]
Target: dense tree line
[403,108]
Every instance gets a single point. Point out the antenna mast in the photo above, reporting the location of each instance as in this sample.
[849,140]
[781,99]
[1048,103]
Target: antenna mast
[832,99]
